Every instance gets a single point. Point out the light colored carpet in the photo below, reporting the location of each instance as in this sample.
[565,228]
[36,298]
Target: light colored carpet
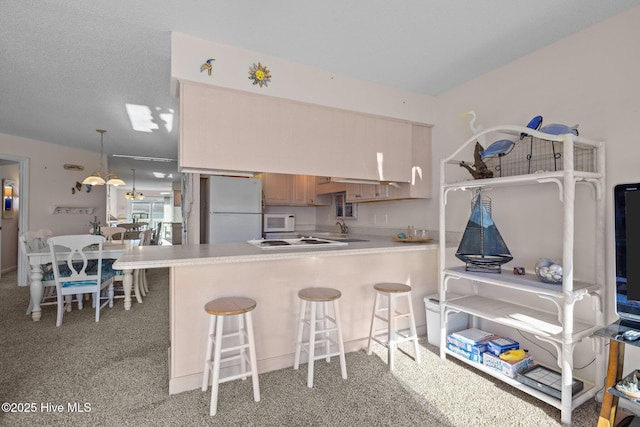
[119,367]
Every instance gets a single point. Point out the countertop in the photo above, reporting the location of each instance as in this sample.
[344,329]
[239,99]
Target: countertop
[216,253]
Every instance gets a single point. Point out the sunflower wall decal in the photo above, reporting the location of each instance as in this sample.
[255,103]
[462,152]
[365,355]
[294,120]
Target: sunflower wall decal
[259,74]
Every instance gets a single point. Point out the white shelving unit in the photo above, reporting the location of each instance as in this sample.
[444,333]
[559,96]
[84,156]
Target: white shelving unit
[558,327]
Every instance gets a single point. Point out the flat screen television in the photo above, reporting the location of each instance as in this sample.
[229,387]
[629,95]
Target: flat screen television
[627,238]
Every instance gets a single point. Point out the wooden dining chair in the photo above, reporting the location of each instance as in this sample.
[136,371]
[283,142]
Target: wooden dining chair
[84,277]
[33,241]
[141,273]
[114,234]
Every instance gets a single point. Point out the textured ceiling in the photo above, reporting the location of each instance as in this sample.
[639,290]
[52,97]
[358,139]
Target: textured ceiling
[67,67]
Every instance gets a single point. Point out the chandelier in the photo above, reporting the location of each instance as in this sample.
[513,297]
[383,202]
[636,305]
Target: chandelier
[98,178]
[133,194]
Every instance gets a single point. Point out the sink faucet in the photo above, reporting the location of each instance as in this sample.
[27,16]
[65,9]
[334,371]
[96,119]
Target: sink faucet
[343,227]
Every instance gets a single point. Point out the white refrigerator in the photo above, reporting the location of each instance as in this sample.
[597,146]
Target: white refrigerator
[235,209]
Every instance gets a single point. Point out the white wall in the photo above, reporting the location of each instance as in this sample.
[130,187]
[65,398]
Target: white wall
[293,81]
[50,184]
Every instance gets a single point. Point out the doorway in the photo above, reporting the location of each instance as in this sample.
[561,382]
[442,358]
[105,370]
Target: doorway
[15,219]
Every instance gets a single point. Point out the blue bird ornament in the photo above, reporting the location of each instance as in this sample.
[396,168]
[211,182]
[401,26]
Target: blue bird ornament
[497,149]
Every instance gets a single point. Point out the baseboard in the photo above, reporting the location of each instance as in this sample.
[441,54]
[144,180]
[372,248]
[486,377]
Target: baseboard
[194,381]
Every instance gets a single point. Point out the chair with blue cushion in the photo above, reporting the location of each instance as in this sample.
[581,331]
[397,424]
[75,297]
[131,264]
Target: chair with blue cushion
[75,274]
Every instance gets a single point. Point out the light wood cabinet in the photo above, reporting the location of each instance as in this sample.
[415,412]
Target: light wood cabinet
[324,185]
[367,192]
[291,190]
[276,188]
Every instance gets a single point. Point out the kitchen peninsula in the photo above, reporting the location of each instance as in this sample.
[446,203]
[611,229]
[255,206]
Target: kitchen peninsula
[200,273]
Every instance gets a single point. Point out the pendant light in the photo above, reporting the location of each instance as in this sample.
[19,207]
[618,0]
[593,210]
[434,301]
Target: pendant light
[133,194]
[98,178]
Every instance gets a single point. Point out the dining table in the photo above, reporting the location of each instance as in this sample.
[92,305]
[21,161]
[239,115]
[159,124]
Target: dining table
[38,258]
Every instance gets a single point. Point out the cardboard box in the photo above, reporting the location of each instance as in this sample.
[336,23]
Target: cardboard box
[472,336]
[479,348]
[509,369]
[499,345]
[464,353]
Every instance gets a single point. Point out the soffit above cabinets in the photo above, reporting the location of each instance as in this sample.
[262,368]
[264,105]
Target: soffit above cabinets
[232,130]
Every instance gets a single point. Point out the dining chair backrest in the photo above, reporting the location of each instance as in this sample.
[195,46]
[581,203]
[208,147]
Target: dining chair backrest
[114,234]
[34,241]
[155,238]
[145,237]
[75,275]
[70,251]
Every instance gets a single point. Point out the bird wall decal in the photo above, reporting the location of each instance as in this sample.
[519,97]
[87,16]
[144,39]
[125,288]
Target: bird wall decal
[207,65]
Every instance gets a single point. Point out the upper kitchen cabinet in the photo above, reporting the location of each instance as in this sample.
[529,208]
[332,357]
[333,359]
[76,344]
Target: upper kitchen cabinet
[232,130]
[419,187]
[276,188]
[291,190]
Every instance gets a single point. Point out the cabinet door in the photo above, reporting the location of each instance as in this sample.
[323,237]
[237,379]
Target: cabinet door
[361,192]
[313,198]
[276,188]
[299,195]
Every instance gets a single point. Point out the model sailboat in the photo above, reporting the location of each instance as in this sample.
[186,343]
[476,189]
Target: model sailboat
[482,247]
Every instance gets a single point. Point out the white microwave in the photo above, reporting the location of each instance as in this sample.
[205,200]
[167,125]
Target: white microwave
[278,223]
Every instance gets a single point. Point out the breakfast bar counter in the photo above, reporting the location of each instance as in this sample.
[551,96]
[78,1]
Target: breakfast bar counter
[273,277]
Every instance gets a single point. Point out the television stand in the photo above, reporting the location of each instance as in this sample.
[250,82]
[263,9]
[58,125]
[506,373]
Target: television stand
[615,366]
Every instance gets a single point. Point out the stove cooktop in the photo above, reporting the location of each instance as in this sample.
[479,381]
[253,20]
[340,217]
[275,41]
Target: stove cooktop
[304,242]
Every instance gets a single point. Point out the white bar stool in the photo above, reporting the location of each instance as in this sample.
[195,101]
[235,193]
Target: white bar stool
[319,312]
[219,309]
[393,336]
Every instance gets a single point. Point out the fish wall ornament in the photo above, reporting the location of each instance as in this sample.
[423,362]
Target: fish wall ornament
[498,148]
[533,124]
[557,129]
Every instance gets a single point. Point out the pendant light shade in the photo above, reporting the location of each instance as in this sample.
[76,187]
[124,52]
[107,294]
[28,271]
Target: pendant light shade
[133,194]
[98,178]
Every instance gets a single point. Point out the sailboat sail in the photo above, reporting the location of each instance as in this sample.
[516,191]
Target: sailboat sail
[482,247]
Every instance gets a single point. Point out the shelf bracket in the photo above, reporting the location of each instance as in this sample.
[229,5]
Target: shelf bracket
[597,301]
[560,186]
[596,185]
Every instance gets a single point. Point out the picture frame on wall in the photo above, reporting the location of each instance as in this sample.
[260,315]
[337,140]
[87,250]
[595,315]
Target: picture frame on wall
[8,192]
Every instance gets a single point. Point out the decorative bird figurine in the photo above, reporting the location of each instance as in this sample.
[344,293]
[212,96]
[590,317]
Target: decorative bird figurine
[207,66]
[533,124]
[475,128]
[497,149]
[556,129]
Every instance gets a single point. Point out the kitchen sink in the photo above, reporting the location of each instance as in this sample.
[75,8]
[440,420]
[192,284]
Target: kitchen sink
[338,237]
